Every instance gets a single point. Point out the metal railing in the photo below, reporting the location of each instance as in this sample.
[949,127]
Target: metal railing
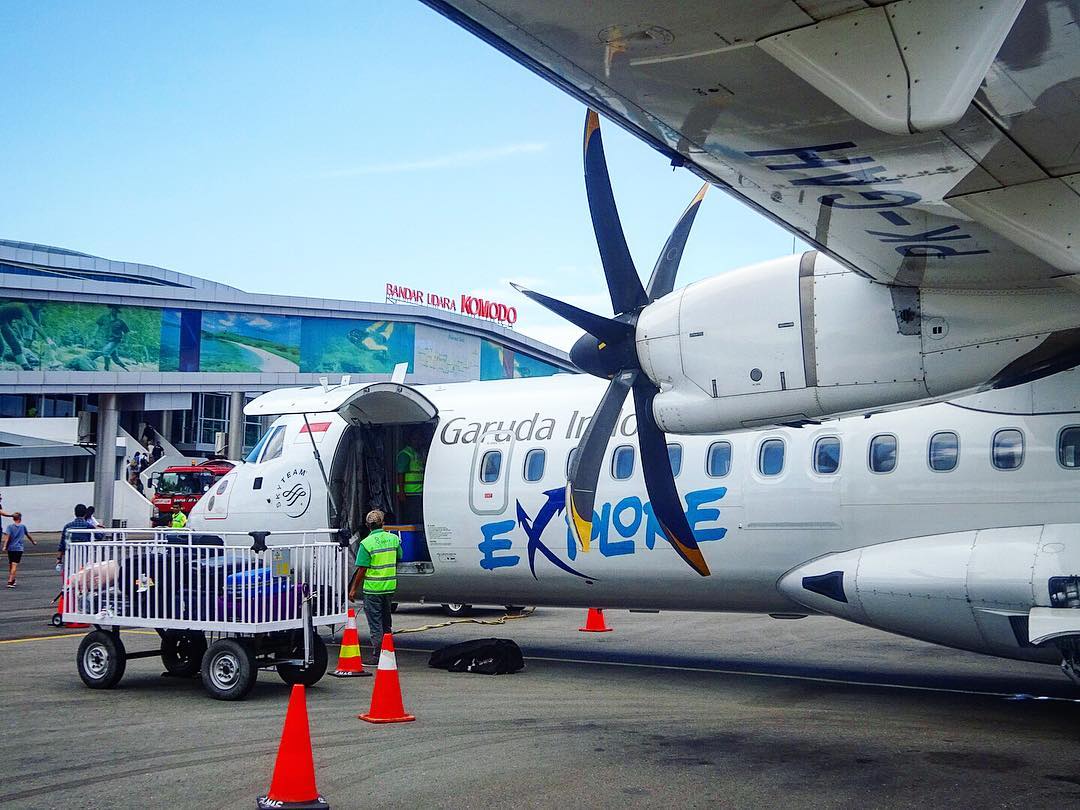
[222,582]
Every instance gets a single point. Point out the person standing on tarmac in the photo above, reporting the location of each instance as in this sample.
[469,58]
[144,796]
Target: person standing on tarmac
[376,567]
[179,519]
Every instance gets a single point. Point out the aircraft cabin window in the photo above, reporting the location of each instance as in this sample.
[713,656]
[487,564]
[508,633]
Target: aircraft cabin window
[1007,451]
[534,464]
[674,455]
[570,460]
[718,462]
[275,445]
[944,451]
[622,462]
[883,453]
[491,466]
[827,455]
[771,457]
[1069,448]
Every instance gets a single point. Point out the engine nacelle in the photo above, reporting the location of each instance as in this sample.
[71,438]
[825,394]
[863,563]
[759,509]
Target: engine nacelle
[976,590]
[798,338]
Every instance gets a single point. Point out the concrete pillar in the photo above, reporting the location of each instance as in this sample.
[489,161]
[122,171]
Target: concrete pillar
[235,449]
[166,425]
[105,460]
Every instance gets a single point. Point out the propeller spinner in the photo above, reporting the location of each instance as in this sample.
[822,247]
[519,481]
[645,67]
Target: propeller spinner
[607,350]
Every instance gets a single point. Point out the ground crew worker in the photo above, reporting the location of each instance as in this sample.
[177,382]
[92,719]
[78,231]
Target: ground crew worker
[410,479]
[376,568]
[179,519]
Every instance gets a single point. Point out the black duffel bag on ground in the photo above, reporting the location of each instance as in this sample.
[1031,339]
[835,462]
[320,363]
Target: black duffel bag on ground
[488,656]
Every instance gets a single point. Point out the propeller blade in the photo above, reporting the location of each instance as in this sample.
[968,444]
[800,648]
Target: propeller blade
[623,283]
[603,329]
[662,280]
[664,498]
[591,450]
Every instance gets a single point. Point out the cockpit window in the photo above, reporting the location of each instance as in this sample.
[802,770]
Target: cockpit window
[275,444]
[253,456]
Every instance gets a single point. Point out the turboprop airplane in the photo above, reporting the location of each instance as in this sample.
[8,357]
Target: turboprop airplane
[955,523]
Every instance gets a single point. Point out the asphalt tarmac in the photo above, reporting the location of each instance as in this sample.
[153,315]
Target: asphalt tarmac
[689,710]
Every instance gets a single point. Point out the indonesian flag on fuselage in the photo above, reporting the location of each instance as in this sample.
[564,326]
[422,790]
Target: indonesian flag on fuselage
[312,430]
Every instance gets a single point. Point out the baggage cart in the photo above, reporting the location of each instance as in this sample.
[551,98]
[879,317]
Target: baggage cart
[225,605]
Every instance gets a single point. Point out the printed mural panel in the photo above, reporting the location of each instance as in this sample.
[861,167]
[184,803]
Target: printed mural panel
[241,341]
[444,356]
[58,336]
[354,346]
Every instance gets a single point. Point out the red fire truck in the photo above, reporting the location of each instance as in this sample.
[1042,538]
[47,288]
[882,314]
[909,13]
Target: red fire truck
[183,485]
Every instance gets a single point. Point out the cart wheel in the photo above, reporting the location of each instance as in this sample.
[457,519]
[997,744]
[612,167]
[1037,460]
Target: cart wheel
[312,674]
[182,652]
[57,620]
[101,659]
[457,609]
[228,669]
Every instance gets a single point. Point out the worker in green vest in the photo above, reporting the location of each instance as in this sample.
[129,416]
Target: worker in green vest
[376,568]
[179,519]
[410,479]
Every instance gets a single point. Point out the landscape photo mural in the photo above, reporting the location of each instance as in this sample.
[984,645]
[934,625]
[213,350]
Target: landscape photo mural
[93,337]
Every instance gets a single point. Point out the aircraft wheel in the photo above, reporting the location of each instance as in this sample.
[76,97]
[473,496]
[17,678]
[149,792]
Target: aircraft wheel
[182,652]
[101,659]
[457,609]
[228,669]
[313,672]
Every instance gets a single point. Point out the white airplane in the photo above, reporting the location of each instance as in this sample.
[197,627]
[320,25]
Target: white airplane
[928,150]
[955,523]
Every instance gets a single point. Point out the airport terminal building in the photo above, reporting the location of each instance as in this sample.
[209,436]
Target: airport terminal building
[92,346]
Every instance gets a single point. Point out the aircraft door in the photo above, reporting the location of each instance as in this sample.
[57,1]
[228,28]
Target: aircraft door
[489,479]
[216,499]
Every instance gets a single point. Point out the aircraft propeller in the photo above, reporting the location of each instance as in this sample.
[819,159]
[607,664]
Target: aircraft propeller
[607,350]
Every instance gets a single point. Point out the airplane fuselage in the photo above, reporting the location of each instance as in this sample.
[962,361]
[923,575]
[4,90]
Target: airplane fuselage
[762,503]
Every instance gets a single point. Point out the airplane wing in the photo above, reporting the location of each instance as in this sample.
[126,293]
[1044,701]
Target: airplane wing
[920,142]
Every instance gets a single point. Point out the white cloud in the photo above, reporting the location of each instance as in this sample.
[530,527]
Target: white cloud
[454,160]
[258,322]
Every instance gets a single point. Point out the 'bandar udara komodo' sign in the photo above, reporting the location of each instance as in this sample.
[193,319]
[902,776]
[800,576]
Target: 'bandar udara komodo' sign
[465,304]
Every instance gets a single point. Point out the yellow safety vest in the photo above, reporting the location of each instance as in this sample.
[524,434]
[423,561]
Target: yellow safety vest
[414,473]
[179,520]
[382,550]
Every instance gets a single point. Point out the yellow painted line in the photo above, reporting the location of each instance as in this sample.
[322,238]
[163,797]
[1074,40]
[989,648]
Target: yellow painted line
[69,635]
[40,638]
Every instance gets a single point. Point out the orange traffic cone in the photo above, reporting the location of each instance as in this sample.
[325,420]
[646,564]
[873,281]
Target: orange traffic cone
[386,705]
[58,617]
[349,664]
[594,622]
[293,783]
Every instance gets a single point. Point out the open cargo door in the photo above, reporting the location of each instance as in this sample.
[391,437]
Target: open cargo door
[377,403]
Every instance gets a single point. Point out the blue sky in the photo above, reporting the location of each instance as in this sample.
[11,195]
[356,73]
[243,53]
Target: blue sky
[324,148]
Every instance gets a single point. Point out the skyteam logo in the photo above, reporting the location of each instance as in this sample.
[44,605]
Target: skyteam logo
[293,493]
[625,527]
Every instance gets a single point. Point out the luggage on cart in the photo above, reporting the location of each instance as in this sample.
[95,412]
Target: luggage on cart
[259,595]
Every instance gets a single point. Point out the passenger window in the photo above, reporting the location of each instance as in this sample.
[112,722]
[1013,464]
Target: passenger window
[674,456]
[771,457]
[491,466]
[827,455]
[1007,452]
[275,444]
[883,453]
[944,451]
[718,462]
[1069,448]
[534,465]
[570,461]
[622,462]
